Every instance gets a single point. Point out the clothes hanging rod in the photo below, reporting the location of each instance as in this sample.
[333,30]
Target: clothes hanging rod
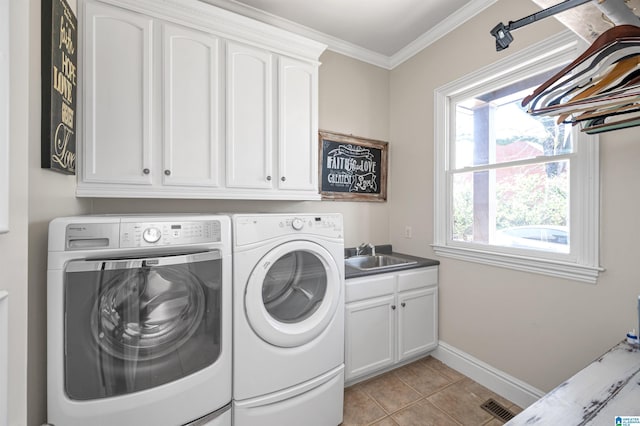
[616,10]
[502,32]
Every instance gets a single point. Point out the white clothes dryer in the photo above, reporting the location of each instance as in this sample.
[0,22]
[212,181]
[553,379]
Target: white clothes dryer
[288,319]
[139,321]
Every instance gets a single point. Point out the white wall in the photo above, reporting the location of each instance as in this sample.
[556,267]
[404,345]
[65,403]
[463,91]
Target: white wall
[353,99]
[539,329]
[4,116]
[51,194]
[36,196]
[13,246]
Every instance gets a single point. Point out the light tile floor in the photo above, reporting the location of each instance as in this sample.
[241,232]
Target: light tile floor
[423,393]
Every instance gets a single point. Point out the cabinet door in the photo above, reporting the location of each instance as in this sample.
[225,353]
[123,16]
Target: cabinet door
[369,336]
[249,117]
[192,98]
[117,95]
[417,322]
[298,128]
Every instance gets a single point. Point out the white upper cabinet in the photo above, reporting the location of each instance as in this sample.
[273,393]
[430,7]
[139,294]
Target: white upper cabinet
[252,124]
[118,87]
[249,117]
[297,137]
[184,100]
[192,128]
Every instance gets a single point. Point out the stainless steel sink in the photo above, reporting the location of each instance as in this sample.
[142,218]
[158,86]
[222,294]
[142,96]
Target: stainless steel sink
[380,261]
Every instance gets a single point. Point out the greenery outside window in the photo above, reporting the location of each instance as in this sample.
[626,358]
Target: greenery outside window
[512,189]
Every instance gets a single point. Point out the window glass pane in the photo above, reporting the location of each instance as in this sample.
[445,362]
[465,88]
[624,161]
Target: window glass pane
[495,128]
[462,190]
[521,206]
[488,149]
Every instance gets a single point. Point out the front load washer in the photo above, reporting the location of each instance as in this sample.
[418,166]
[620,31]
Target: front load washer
[139,321]
[288,319]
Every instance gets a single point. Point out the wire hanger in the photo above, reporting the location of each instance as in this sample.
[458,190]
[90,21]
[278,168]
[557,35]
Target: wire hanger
[601,88]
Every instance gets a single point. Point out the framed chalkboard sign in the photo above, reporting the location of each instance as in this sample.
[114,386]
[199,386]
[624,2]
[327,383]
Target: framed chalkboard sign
[59,82]
[352,168]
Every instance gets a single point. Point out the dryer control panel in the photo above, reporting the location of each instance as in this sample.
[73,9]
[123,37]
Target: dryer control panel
[313,224]
[254,228]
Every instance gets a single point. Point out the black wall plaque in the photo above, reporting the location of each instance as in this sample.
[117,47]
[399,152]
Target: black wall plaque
[352,168]
[59,82]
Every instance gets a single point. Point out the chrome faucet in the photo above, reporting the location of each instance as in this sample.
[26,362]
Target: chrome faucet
[361,247]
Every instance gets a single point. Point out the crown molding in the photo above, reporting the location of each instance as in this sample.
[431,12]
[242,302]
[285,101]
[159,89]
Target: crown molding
[354,51]
[333,43]
[223,22]
[449,24]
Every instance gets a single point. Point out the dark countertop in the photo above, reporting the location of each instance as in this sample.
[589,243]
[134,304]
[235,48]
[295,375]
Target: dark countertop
[421,262]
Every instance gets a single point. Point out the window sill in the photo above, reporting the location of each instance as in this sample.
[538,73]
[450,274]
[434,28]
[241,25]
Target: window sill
[553,268]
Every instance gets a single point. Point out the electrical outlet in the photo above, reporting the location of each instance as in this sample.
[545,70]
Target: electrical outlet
[408,232]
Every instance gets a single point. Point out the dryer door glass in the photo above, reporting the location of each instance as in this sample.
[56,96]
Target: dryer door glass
[294,287]
[134,324]
[293,293]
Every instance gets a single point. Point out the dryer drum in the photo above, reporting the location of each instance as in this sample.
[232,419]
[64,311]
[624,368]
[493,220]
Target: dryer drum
[146,313]
[294,287]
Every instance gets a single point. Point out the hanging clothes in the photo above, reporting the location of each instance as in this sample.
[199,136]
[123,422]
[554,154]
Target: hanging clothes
[600,89]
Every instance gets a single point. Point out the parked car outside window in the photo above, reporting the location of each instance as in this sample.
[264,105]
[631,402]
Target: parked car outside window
[548,238]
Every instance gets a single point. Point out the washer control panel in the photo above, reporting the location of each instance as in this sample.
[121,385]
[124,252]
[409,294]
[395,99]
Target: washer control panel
[93,236]
[149,234]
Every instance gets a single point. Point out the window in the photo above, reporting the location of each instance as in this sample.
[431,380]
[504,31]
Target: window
[512,189]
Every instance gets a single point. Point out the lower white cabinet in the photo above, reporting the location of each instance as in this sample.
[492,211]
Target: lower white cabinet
[390,318]
[369,335]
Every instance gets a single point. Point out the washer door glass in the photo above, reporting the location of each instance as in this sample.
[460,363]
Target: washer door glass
[293,293]
[139,323]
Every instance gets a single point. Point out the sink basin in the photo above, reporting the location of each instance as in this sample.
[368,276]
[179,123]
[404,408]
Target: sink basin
[379,261]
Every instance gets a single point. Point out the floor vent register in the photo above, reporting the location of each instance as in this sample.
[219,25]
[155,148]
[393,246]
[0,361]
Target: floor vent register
[497,410]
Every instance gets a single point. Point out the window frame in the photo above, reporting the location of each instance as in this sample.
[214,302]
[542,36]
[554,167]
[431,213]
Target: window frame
[582,263]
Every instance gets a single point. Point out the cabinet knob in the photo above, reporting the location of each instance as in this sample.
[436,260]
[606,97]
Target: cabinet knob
[393,307]
[167,172]
[268,177]
[146,171]
[403,304]
[283,178]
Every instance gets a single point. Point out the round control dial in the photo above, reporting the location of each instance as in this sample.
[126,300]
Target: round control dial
[297,224]
[151,235]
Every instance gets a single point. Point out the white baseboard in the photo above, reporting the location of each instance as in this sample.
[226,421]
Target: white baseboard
[498,381]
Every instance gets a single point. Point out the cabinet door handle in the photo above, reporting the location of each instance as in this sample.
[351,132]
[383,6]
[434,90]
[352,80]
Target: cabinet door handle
[283,178]
[403,304]
[167,172]
[393,307]
[268,177]
[146,171]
